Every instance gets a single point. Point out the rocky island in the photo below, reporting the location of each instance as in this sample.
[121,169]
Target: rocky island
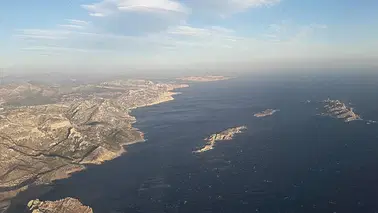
[225,135]
[265,113]
[207,78]
[338,109]
[47,132]
[67,205]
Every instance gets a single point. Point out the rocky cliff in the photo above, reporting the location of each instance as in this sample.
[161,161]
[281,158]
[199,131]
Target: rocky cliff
[86,124]
[340,110]
[67,205]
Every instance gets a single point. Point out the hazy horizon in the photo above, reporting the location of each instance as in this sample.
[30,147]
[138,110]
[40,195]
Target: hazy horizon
[187,34]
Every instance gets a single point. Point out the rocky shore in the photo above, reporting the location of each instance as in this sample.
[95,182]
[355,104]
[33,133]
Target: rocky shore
[225,135]
[67,205]
[340,110]
[47,132]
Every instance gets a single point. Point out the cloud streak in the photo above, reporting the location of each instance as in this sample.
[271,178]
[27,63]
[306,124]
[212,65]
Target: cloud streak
[111,7]
[136,17]
[72,26]
[78,22]
[43,34]
[185,30]
[178,44]
[227,8]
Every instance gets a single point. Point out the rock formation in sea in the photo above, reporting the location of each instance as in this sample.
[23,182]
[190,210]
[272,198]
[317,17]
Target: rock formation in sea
[340,110]
[67,205]
[265,113]
[48,132]
[225,135]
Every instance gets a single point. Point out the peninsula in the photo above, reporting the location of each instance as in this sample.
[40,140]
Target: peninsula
[207,78]
[225,135]
[338,109]
[47,132]
[265,113]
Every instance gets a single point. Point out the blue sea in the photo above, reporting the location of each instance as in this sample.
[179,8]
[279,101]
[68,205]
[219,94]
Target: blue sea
[294,161]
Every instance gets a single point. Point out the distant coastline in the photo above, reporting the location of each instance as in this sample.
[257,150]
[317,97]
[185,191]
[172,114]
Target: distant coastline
[208,78]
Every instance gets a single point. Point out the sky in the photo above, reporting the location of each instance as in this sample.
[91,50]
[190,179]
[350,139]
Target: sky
[161,33]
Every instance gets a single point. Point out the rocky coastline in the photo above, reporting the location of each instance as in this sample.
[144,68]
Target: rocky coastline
[67,205]
[68,129]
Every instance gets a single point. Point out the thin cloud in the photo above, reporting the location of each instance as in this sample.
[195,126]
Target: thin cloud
[222,29]
[307,31]
[42,34]
[74,24]
[77,22]
[97,14]
[53,49]
[136,17]
[71,26]
[180,37]
[110,7]
[225,8]
[100,9]
[254,3]
[139,29]
[287,31]
[213,31]
[150,5]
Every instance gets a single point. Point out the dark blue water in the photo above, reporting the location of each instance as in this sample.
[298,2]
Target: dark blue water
[294,161]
